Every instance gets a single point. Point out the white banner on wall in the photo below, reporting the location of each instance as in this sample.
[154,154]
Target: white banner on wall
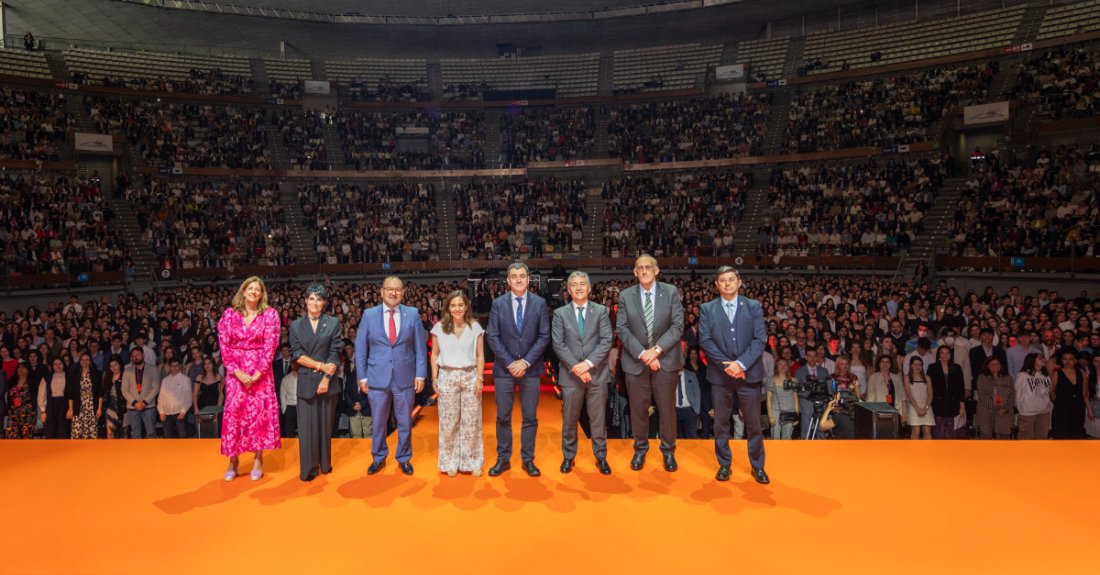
[94,143]
[316,87]
[730,72]
[985,114]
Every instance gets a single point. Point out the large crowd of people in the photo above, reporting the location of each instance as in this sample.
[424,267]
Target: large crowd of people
[1008,364]
[881,112]
[204,224]
[547,135]
[371,222]
[33,125]
[387,90]
[180,134]
[422,140]
[870,208]
[212,83]
[687,215]
[303,134]
[505,220]
[54,224]
[711,128]
[1062,81]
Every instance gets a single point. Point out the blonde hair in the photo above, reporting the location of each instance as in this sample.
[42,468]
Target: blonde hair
[238,304]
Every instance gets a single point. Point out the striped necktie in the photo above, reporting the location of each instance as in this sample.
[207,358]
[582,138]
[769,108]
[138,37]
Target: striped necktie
[648,314]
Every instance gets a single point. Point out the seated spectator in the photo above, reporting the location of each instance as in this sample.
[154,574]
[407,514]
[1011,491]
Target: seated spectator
[717,127]
[214,82]
[683,215]
[185,135]
[1062,81]
[371,222]
[498,220]
[54,224]
[434,140]
[212,224]
[464,92]
[33,125]
[303,135]
[387,90]
[547,135]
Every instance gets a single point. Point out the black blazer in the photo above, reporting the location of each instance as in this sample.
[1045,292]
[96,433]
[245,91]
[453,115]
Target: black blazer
[324,346]
[946,393]
[352,394]
[72,388]
[277,369]
[977,358]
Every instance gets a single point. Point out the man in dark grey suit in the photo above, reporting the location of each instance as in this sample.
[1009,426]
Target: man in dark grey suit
[650,322]
[519,331]
[688,402]
[582,339]
[812,370]
[315,345]
[732,334]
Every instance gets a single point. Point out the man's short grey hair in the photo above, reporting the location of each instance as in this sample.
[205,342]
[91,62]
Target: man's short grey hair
[578,274]
[518,266]
[317,290]
[725,270]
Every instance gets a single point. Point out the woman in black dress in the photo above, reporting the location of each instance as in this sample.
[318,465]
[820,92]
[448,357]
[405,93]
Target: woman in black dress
[113,402]
[1067,421]
[209,386]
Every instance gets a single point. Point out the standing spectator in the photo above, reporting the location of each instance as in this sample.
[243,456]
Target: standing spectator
[140,386]
[7,362]
[458,361]
[947,389]
[28,41]
[1033,390]
[1067,421]
[52,403]
[174,401]
[85,395]
[288,401]
[248,335]
[919,395]
[687,405]
[20,405]
[780,400]
[885,385]
[706,407]
[1092,399]
[357,407]
[113,402]
[996,401]
[315,344]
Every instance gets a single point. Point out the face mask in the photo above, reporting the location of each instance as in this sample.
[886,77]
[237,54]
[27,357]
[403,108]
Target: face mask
[949,341]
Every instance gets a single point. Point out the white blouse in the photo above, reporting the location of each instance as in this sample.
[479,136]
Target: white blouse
[458,352]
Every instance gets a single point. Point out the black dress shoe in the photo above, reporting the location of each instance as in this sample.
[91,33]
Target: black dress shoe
[723,473]
[529,467]
[602,465]
[670,462]
[376,467]
[499,468]
[406,468]
[309,477]
[567,466]
[760,476]
[638,461]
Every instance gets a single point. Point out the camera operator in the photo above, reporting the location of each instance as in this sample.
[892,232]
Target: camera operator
[811,370]
[842,426]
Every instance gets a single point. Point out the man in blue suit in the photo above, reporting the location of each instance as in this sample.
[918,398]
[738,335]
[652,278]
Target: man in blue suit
[519,331]
[732,334]
[391,358]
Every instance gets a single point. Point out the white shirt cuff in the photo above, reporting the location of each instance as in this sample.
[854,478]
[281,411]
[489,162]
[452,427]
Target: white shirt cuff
[362,381]
[589,362]
[738,362]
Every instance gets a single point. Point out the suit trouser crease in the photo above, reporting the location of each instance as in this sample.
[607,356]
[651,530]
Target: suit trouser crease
[594,397]
[659,387]
[402,402]
[506,388]
[315,416]
[727,400]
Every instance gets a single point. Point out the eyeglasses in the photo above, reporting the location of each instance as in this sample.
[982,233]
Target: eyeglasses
[393,290]
[646,268]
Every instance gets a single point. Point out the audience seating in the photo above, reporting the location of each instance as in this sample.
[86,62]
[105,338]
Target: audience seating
[145,71]
[435,140]
[1062,81]
[371,222]
[570,75]
[1069,19]
[33,125]
[663,68]
[303,135]
[507,220]
[386,80]
[284,76]
[673,215]
[763,59]
[23,63]
[547,134]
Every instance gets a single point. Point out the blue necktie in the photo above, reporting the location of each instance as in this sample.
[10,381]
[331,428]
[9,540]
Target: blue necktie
[729,311]
[519,314]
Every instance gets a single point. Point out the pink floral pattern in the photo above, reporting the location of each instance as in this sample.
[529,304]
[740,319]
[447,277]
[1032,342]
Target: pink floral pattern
[251,418]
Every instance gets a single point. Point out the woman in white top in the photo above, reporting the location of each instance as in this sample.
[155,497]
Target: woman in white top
[458,362]
[918,399]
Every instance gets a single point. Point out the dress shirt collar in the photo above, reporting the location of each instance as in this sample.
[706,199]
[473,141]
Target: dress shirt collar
[652,291]
[386,308]
[515,297]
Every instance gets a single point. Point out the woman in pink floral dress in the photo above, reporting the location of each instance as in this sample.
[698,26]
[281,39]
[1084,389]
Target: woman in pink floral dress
[248,335]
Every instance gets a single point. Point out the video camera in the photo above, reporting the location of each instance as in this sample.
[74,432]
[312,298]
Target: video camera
[821,392]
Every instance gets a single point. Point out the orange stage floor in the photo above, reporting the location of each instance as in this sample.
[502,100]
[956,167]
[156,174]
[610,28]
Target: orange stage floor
[161,507]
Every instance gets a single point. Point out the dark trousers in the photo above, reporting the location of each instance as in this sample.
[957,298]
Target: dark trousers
[594,397]
[687,423]
[726,402]
[288,422]
[658,387]
[174,427]
[505,396]
[380,402]
[314,424]
[57,425]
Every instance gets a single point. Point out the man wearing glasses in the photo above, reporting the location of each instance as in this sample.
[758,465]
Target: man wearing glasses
[650,323]
[391,358]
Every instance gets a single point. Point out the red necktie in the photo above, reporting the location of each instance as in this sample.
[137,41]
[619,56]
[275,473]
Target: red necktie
[393,328]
